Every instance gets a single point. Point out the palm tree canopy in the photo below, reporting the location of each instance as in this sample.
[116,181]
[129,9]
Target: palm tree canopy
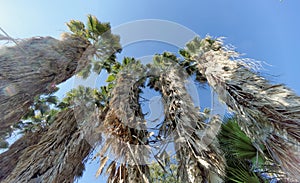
[265,128]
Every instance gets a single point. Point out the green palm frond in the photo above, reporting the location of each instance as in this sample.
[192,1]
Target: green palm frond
[40,114]
[77,27]
[241,174]
[104,44]
[95,28]
[237,142]
[85,72]
[241,155]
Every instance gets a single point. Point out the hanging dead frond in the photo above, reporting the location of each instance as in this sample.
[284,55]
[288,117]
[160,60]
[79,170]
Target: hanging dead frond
[195,143]
[125,96]
[33,67]
[268,113]
[10,158]
[124,128]
[60,153]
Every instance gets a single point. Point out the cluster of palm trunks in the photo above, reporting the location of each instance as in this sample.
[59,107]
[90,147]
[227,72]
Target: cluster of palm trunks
[269,114]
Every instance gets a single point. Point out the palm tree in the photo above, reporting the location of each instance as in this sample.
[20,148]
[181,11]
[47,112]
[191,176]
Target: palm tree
[268,115]
[243,161]
[36,65]
[58,155]
[123,128]
[199,157]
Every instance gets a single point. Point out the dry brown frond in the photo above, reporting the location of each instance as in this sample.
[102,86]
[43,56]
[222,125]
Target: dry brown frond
[124,128]
[195,143]
[58,156]
[10,158]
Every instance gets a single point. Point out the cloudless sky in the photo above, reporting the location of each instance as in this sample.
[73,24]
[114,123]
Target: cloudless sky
[266,30]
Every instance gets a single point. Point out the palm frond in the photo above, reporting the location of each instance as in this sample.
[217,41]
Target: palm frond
[237,142]
[34,67]
[124,128]
[103,48]
[197,151]
[59,154]
[10,158]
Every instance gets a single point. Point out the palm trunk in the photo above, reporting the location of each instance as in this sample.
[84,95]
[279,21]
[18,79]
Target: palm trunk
[32,68]
[195,141]
[124,127]
[267,113]
[10,158]
[59,154]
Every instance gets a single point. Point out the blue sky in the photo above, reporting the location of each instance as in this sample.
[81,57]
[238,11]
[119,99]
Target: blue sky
[266,30]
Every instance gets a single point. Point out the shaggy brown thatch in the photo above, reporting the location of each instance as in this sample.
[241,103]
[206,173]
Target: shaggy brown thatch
[268,113]
[124,127]
[10,158]
[34,67]
[197,148]
[59,155]
[129,155]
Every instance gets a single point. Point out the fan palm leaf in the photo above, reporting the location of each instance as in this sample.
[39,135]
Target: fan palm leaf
[245,163]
